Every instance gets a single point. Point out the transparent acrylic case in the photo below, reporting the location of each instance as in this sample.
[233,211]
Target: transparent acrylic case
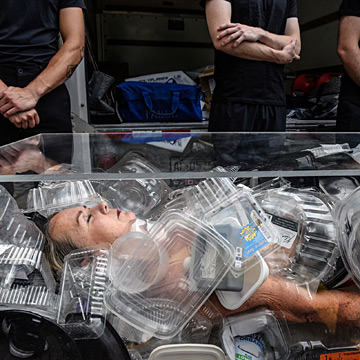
[166,302]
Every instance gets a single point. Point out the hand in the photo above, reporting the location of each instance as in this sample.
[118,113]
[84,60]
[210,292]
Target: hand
[14,100]
[237,33]
[21,157]
[25,119]
[288,54]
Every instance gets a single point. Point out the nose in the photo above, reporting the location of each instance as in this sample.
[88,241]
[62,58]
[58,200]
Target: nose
[102,208]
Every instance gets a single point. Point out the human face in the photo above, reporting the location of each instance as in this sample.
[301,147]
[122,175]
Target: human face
[91,226]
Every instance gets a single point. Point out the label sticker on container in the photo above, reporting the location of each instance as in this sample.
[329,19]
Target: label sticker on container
[348,355]
[250,347]
[252,237]
[288,230]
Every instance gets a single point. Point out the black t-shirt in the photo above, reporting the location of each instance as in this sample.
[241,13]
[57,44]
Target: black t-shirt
[29,30]
[247,81]
[349,89]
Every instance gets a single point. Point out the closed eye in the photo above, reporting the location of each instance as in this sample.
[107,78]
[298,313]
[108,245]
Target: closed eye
[88,218]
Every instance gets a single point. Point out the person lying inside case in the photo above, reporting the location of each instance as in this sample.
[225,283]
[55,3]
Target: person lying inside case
[80,227]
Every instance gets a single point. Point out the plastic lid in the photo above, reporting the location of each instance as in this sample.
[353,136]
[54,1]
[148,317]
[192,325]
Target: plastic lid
[197,259]
[187,352]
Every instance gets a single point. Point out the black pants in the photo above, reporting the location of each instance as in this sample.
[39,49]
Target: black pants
[348,116]
[53,108]
[235,116]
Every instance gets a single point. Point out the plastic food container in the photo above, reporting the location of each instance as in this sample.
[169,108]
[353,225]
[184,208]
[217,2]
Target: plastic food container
[254,335]
[140,196]
[187,352]
[52,197]
[347,214]
[309,247]
[242,222]
[197,200]
[165,303]
[25,277]
[252,280]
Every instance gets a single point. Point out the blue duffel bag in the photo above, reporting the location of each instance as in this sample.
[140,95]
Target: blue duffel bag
[140,101]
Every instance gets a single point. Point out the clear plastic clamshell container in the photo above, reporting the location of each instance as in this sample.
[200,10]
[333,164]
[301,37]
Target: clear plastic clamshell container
[80,307]
[347,214]
[25,277]
[255,335]
[161,278]
[242,222]
[140,196]
[197,200]
[309,247]
[52,197]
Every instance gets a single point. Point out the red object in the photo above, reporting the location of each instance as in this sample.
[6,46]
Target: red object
[305,83]
[326,77]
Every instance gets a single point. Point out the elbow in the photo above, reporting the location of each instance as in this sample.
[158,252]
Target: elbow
[217,44]
[341,52]
[77,49]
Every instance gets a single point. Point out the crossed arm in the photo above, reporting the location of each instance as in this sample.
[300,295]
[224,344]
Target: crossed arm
[248,42]
[17,104]
[348,46]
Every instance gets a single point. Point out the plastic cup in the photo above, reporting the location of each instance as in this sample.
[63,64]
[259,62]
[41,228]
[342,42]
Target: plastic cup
[137,262]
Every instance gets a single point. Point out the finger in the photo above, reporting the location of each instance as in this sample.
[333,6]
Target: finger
[5,108]
[31,123]
[238,41]
[226,33]
[24,124]
[37,119]
[12,111]
[226,26]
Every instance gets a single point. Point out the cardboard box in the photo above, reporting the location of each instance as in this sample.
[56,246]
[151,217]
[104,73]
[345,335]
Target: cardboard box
[207,84]
[178,77]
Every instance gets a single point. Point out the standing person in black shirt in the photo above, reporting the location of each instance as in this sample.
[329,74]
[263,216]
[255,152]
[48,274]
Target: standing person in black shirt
[348,111]
[253,39]
[33,96]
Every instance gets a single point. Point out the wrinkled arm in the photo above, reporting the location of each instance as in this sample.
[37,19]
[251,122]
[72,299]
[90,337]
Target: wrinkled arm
[59,69]
[330,307]
[218,14]
[348,46]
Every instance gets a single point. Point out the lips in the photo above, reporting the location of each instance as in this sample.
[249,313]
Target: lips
[118,212]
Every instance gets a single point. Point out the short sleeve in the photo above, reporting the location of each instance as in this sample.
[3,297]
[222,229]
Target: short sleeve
[202,2]
[292,12]
[72,3]
[349,8]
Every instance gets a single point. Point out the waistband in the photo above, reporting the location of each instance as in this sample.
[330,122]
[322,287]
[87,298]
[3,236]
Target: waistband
[21,70]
